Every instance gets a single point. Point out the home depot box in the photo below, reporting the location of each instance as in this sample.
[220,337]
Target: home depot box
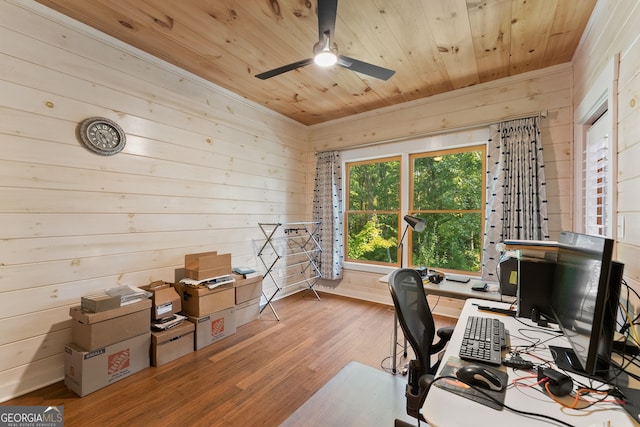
[247,311]
[247,289]
[171,344]
[165,300]
[200,301]
[88,371]
[213,327]
[95,330]
[206,265]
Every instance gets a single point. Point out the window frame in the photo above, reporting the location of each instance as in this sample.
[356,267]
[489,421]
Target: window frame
[600,98]
[455,138]
[347,169]
[481,209]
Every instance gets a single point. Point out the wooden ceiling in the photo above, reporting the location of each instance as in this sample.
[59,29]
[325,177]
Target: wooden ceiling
[433,45]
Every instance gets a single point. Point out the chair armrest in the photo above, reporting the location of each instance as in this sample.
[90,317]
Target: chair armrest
[445,335]
[446,332]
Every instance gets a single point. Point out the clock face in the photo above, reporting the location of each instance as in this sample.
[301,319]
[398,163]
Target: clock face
[102,136]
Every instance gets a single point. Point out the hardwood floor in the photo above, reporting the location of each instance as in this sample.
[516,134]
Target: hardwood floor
[259,376]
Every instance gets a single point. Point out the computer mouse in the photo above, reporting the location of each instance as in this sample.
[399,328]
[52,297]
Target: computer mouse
[479,376]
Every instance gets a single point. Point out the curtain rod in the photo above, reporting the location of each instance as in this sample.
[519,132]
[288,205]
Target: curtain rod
[542,114]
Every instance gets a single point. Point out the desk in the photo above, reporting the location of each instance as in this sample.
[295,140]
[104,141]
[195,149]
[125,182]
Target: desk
[448,289]
[458,290]
[443,408]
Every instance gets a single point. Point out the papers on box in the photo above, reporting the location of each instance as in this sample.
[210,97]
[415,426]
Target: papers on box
[211,283]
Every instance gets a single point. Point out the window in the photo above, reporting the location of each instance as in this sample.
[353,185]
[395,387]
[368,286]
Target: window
[596,156]
[445,187]
[373,210]
[597,176]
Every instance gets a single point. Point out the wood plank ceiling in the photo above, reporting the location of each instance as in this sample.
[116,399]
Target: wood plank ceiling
[433,45]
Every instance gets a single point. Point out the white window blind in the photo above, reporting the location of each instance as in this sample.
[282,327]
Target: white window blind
[596,199]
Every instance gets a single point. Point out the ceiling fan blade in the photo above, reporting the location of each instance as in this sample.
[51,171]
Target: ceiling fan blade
[277,71]
[365,68]
[327,11]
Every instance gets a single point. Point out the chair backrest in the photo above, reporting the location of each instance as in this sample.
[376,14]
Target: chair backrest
[414,314]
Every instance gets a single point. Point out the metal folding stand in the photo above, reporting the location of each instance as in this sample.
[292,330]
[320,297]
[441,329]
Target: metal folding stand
[290,256]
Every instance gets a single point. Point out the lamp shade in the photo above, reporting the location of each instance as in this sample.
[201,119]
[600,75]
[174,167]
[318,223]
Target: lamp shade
[417,224]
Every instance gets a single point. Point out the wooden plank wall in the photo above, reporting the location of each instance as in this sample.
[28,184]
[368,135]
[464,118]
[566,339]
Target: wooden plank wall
[615,32]
[547,90]
[201,168]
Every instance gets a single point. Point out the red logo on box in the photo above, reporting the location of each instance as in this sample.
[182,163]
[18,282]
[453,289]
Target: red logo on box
[217,327]
[119,361]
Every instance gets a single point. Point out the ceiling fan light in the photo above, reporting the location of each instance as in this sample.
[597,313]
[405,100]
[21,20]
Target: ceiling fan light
[325,58]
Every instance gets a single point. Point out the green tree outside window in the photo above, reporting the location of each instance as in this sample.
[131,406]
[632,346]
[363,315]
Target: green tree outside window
[446,189]
[373,209]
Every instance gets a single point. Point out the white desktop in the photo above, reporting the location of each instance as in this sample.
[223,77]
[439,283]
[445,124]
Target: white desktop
[444,408]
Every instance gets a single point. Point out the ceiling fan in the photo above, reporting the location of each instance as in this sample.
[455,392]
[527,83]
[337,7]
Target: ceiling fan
[326,53]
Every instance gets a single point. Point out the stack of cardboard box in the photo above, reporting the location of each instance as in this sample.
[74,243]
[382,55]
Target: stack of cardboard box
[248,289]
[171,336]
[209,305]
[117,334]
[107,345]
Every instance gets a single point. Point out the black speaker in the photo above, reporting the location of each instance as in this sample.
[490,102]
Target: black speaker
[509,277]
[535,281]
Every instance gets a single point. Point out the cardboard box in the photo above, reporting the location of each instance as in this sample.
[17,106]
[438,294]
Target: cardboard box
[98,303]
[88,371]
[91,331]
[247,312]
[201,301]
[206,265]
[171,344]
[206,274]
[192,261]
[165,300]
[213,327]
[247,289]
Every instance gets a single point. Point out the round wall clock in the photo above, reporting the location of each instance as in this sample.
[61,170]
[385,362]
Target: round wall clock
[102,136]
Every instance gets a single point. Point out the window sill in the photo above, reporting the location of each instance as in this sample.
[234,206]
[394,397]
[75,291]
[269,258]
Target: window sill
[369,268]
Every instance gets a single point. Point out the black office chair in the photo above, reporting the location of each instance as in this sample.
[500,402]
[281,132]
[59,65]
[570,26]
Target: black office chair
[416,321]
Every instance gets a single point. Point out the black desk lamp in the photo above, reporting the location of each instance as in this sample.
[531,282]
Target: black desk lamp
[417,224]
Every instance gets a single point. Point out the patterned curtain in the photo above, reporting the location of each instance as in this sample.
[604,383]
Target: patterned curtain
[516,195]
[327,208]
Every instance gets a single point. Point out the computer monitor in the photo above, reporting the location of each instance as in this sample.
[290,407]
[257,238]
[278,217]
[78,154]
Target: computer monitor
[584,301]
